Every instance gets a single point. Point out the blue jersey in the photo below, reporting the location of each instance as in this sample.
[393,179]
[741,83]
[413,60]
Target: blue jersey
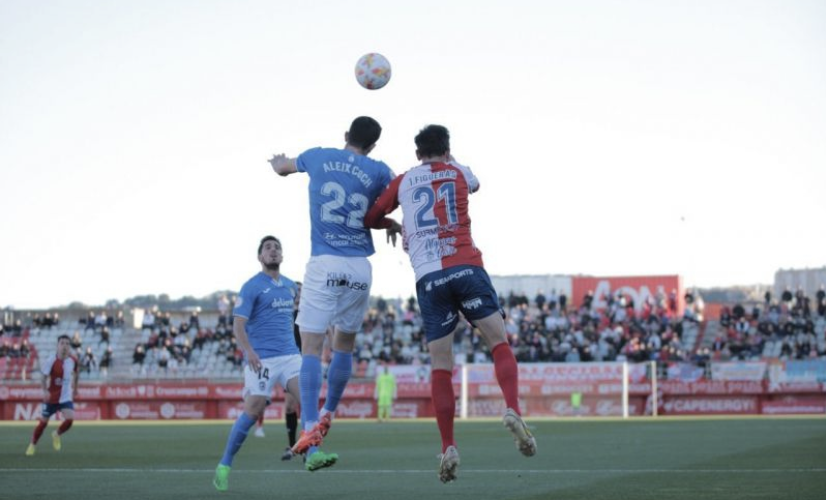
[267,305]
[343,185]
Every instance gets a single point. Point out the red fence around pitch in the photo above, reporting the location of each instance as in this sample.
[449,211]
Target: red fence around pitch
[204,400]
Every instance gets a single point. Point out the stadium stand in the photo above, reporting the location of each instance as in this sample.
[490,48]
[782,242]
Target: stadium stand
[172,347]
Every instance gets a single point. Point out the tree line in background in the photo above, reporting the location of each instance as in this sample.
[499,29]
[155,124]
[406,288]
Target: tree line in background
[162,301]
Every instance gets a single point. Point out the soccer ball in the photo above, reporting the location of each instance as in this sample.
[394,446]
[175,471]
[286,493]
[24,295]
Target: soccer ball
[373,71]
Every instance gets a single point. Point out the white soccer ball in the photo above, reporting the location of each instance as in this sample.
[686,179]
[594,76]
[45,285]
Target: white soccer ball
[373,71]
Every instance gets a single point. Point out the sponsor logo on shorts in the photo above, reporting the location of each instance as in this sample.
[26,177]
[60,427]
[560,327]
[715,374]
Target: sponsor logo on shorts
[450,317]
[474,303]
[453,276]
[345,280]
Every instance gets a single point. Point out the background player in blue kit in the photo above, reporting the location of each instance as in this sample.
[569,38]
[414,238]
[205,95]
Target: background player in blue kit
[344,183]
[263,328]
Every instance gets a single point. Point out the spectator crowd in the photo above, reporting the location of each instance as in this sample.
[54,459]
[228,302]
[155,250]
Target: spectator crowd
[542,328]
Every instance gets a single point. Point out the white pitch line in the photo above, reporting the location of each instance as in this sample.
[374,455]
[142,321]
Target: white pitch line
[430,471]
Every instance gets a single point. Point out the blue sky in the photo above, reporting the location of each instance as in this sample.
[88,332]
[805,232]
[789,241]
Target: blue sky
[610,137]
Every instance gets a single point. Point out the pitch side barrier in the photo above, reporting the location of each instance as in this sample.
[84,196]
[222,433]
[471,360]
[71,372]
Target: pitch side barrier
[545,390]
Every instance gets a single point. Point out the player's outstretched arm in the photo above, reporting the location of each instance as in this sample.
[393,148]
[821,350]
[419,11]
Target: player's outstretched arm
[376,217]
[282,165]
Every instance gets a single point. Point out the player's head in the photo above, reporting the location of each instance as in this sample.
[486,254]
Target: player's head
[363,134]
[432,141]
[64,346]
[269,253]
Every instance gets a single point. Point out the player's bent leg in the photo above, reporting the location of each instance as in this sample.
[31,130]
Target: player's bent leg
[525,442]
[39,428]
[310,378]
[341,368]
[64,428]
[237,436]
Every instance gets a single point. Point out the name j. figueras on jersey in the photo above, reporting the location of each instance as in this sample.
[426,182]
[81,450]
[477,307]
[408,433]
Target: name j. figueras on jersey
[432,176]
[348,168]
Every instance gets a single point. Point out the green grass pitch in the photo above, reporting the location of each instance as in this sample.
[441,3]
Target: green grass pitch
[658,459]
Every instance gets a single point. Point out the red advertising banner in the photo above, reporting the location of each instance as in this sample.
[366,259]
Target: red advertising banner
[638,288]
[232,409]
[587,407]
[545,389]
[725,405]
[412,390]
[710,387]
[30,410]
[157,410]
[783,387]
[410,409]
[795,405]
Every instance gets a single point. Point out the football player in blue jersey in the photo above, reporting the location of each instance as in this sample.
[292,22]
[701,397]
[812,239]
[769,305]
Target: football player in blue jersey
[263,328]
[344,183]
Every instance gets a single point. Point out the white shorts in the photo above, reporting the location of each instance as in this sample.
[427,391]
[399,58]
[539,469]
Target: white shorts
[335,292]
[277,370]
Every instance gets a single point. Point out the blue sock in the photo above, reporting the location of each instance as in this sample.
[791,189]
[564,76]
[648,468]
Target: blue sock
[236,437]
[341,366]
[309,381]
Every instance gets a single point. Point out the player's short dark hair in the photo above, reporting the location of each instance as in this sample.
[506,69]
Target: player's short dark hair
[364,132]
[433,140]
[265,239]
[64,336]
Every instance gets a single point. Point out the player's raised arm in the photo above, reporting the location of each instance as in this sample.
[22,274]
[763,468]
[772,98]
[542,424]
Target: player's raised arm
[282,165]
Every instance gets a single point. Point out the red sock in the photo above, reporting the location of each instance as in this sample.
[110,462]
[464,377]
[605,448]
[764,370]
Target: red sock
[38,431]
[65,426]
[507,374]
[441,391]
